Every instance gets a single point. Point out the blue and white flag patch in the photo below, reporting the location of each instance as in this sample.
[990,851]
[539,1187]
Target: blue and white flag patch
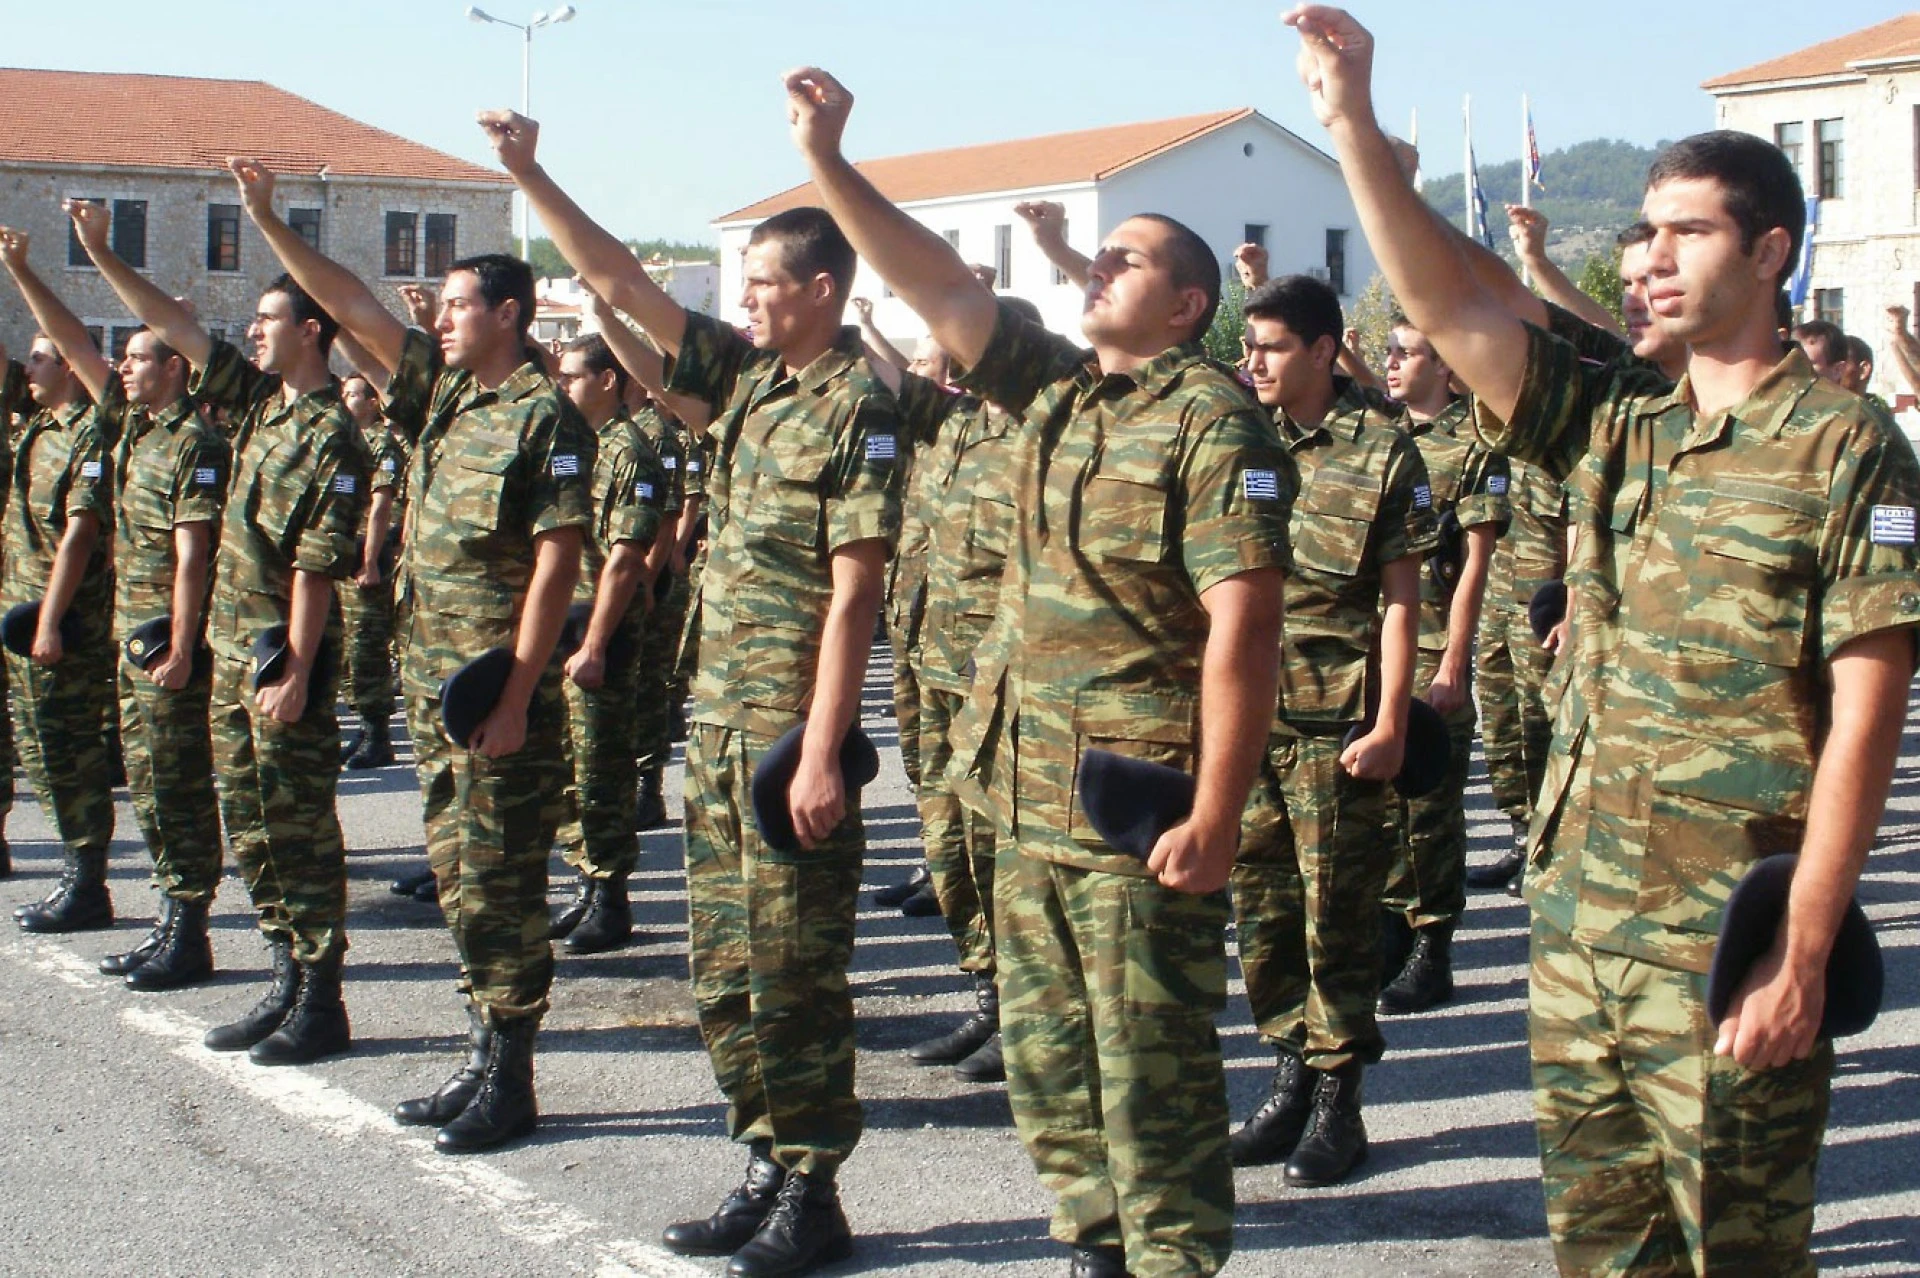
[880,448]
[566,465]
[1422,497]
[643,490]
[1496,484]
[343,483]
[1893,525]
[1260,485]
[670,462]
[693,465]
[386,464]
[90,470]
[206,476]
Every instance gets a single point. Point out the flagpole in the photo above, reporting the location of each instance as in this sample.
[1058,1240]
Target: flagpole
[1526,170]
[1413,140]
[1466,159]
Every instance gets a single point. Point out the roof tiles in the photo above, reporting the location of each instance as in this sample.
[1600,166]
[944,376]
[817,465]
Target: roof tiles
[1895,38]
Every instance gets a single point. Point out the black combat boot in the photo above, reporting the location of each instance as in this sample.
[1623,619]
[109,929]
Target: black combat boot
[738,1217]
[373,748]
[608,923]
[1427,978]
[1109,1261]
[988,1065]
[571,915]
[121,964]
[503,1106]
[6,853]
[893,896]
[185,956]
[445,1105]
[1396,942]
[1505,872]
[970,1035]
[316,1026]
[408,884]
[923,904]
[1336,1139]
[805,1229]
[1270,1134]
[265,1018]
[652,807]
[80,903]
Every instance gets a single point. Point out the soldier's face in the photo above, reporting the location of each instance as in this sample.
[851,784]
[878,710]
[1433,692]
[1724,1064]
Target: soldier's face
[592,393]
[930,361]
[1415,374]
[357,394]
[782,310]
[1826,362]
[49,380]
[1286,371]
[472,332]
[150,380]
[1132,300]
[1704,285]
[275,334]
[1650,341]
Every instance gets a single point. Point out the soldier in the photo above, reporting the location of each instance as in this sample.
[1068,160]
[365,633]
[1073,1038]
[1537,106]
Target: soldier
[616,580]
[169,475]
[498,509]
[1860,370]
[367,598]
[1151,511]
[56,556]
[14,400]
[1427,889]
[293,506]
[1746,540]
[1825,346]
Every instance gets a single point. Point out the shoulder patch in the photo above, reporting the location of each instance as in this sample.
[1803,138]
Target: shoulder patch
[90,470]
[566,465]
[880,448]
[643,490]
[1496,484]
[1422,497]
[343,483]
[693,465]
[670,462]
[386,464]
[1893,525]
[206,476]
[1260,484]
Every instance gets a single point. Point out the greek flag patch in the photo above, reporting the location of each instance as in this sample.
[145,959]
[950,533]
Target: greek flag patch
[386,464]
[1260,485]
[343,483]
[671,463]
[643,490]
[1422,497]
[880,448]
[1893,525]
[206,476]
[693,466]
[90,470]
[1496,484]
[566,464]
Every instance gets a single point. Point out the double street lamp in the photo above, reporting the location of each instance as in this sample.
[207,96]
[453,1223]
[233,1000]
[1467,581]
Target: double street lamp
[526,29]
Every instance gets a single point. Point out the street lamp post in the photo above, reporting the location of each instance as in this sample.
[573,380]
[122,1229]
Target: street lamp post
[526,29]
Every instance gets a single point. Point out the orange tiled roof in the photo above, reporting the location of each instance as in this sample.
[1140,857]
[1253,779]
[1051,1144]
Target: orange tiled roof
[176,122]
[1897,37]
[1053,160]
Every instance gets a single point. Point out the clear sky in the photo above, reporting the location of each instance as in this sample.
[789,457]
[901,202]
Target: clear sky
[659,117]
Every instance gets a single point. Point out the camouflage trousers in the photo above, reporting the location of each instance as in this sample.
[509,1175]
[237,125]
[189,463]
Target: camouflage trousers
[1428,881]
[596,835]
[654,693]
[1306,900]
[686,658]
[959,842]
[1516,728]
[490,824]
[1657,1156]
[9,758]
[277,783]
[168,742]
[366,662]
[1109,985]
[906,697]
[62,714]
[770,936]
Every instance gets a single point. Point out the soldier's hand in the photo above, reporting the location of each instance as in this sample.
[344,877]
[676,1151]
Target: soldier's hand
[1250,262]
[1897,320]
[172,671]
[421,305]
[1195,856]
[13,248]
[596,306]
[369,575]
[1556,638]
[1377,756]
[501,733]
[1774,1017]
[1527,228]
[1335,63]
[1408,155]
[864,308]
[515,138]
[90,223]
[816,798]
[47,648]
[1047,219]
[587,668]
[256,185]
[284,701]
[817,108]
[1446,693]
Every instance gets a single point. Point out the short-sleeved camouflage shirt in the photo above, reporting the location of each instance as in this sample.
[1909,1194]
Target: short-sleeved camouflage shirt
[804,464]
[1470,481]
[1136,493]
[388,452]
[62,467]
[668,439]
[1364,502]
[629,489]
[1719,565]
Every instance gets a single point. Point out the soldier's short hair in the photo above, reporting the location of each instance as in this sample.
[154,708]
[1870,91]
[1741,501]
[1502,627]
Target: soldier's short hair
[1757,181]
[1192,264]
[1640,232]
[599,357]
[1024,309]
[502,278]
[304,308]
[811,243]
[161,351]
[1829,337]
[1858,352]
[1308,307]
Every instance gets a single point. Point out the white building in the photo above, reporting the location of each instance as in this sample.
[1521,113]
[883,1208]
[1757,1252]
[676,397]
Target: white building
[1232,176]
[560,309]
[1848,113]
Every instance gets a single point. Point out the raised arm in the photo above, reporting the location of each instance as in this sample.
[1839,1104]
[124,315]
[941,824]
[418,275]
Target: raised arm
[922,267]
[169,318]
[361,360]
[1471,328]
[1528,230]
[878,346]
[338,291]
[606,265]
[1047,219]
[62,327]
[642,362]
[1906,350]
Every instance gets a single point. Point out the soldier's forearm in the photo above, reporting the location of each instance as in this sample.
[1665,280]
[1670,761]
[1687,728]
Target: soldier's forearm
[620,580]
[556,569]
[1239,691]
[191,546]
[64,329]
[859,581]
[1399,640]
[170,321]
[69,567]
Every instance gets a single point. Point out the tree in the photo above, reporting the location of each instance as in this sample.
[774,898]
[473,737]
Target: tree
[547,263]
[1222,338]
[1599,279]
[1372,313]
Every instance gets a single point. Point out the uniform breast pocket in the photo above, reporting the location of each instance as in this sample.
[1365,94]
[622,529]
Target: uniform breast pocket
[786,510]
[989,535]
[1749,581]
[1329,543]
[476,489]
[1158,727]
[1122,518]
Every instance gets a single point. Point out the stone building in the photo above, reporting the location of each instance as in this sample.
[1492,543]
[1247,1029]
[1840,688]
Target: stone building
[154,149]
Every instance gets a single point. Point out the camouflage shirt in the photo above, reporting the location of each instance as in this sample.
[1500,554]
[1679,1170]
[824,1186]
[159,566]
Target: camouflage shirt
[629,491]
[668,439]
[1533,550]
[169,468]
[61,468]
[1721,563]
[803,464]
[294,501]
[1135,493]
[1364,502]
[490,470]
[1470,482]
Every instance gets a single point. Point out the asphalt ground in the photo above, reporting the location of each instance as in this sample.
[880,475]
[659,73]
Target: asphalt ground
[126,1148]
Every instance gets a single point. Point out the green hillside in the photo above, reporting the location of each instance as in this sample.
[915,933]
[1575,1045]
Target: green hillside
[1590,186]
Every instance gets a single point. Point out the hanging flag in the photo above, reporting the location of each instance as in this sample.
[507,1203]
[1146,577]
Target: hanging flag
[1533,152]
[1480,228]
[1802,281]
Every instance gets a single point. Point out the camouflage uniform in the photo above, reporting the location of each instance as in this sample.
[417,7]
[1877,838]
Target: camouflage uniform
[13,400]
[660,633]
[61,468]
[1719,563]
[596,833]
[1428,882]
[490,470]
[169,469]
[1510,664]
[293,504]
[809,461]
[1313,862]
[366,664]
[693,486]
[1136,493]
[907,606]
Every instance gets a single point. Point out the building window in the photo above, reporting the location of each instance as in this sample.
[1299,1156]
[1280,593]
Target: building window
[403,244]
[1791,138]
[952,238]
[1003,256]
[440,235]
[1060,276]
[1255,234]
[76,252]
[1830,304]
[1830,134]
[97,334]
[1337,260]
[129,234]
[306,224]
[223,237]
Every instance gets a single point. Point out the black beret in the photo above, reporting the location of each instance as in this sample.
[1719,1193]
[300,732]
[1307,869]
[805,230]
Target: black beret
[469,694]
[772,814]
[1855,974]
[573,633]
[1131,802]
[1449,555]
[1547,608]
[150,641]
[18,627]
[270,651]
[1429,749]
